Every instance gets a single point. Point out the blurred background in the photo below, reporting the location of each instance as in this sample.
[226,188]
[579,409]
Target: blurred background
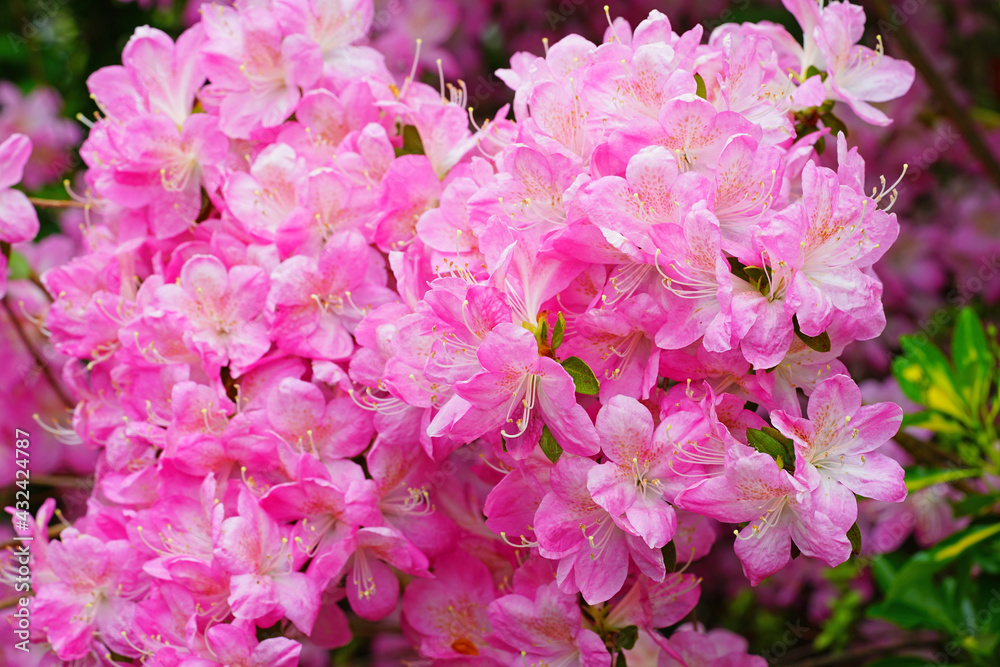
[946,130]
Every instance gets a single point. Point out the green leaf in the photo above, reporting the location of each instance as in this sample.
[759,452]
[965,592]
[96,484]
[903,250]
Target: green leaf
[770,441]
[813,71]
[844,611]
[933,421]
[701,91]
[957,544]
[627,637]
[621,661]
[670,556]
[584,378]
[975,504]
[558,330]
[975,365]
[835,124]
[912,596]
[921,478]
[412,143]
[820,343]
[18,267]
[737,269]
[549,446]
[854,535]
[926,377]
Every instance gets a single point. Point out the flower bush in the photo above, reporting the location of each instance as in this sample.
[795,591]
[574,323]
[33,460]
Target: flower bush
[350,362]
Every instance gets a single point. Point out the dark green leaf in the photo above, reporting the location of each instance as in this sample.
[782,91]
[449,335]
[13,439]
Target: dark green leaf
[670,556]
[737,269]
[820,343]
[813,71]
[770,441]
[584,378]
[549,446]
[976,504]
[835,124]
[558,330]
[854,535]
[621,661]
[627,637]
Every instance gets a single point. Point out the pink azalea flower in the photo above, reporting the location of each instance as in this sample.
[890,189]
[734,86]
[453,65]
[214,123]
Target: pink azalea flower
[224,309]
[265,581]
[629,482]
[261,71]
[449,612]
[18,219]
[516,381]
[859,75]
[836,444]
[779,509]
[36,115]
[550,624]
[87,590]
[594,559]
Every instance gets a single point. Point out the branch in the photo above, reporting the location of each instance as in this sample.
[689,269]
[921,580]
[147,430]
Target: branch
[36,355]
[855,656]
[56,203]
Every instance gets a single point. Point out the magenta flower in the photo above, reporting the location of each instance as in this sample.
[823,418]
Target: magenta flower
[550,626]
[515,383]
[593,547]
[629,482]
[264,565]
[836,445]
[779,509]
[223,308]
[18,219]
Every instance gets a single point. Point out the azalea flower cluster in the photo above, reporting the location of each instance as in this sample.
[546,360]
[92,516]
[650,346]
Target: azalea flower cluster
[491,386]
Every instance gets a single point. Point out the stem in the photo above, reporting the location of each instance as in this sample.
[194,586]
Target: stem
[959,115]
[855,656]
[53,533]
[39,360]
[11,602]
[63,481]
[56,203]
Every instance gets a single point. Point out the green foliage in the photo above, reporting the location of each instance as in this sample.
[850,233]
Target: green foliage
[960,396]
[584,378]
[550,447]
[952,589]
[770,441]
